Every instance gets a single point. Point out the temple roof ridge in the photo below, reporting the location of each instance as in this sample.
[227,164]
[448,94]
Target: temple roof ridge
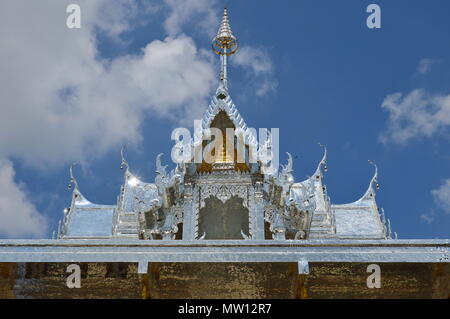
[370,193]
[256,192]
[322,165]
[128,175]
[81,200]
[323,162]
[78,198]
[225,103]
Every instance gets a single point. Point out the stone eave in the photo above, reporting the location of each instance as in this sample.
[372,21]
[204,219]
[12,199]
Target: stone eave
[305,251]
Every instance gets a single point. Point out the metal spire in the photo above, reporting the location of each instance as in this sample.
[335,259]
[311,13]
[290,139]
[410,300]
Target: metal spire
[224,44]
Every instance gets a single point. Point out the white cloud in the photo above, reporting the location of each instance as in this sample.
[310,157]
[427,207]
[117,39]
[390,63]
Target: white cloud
[260,68]
[18,217]
[441,196]
[425,65]
[428,217]
[417,114]
[255,59]
[60,101]
[182,12]
[111,18]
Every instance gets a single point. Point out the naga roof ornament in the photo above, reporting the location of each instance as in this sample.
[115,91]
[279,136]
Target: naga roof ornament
[73,181]
[123,162]
[373,185]
[322,163]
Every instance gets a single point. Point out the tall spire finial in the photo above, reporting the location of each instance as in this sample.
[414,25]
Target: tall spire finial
[224,44]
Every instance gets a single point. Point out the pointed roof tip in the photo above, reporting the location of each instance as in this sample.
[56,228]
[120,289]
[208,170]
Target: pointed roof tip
[73,181]
[374,180]
[160,169]
[375,175]
[123,163]
[325,153]
[373,185]
[225,39]
[225,28]
[77,196]
[288,168]
[322,163]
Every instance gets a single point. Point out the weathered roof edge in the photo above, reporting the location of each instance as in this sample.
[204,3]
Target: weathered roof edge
[304,251]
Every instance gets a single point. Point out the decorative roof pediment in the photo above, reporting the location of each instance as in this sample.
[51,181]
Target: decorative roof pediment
[226,104]
[237,167]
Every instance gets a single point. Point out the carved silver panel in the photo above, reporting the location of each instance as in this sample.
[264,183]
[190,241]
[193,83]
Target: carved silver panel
[223,193]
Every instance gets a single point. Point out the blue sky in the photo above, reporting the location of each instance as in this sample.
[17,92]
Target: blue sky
[311,68]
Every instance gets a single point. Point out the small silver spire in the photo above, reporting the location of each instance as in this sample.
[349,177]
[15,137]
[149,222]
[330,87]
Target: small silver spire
[224,34]
[224,44]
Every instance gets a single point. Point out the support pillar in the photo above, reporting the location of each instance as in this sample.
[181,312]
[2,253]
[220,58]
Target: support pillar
[144,279]
[189,214]
[258,213]
[302,276]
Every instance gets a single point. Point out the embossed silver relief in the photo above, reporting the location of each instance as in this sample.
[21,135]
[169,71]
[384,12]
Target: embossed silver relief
[289,211]
[299,210]
[223,193]
[144,199]
[161,215]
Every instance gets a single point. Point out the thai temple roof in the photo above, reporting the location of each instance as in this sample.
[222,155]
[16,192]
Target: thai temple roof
[224,226]
[274,206]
